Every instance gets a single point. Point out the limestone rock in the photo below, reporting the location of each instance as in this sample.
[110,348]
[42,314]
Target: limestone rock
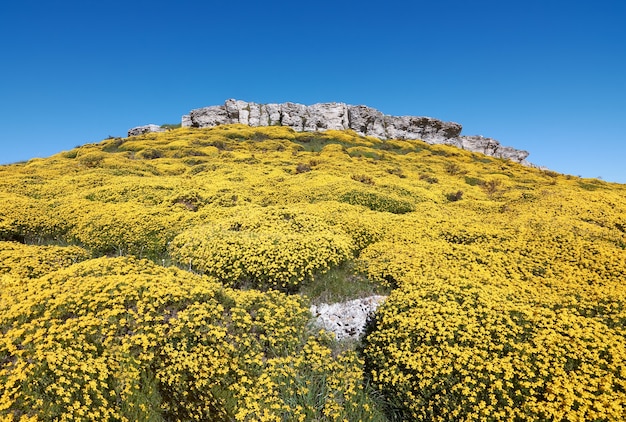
[140,130]
[489,146]
[209,116]
[185,121]
[293,115]
[346,319]
[367,121]
[427,129]
[362,119]
[327,116]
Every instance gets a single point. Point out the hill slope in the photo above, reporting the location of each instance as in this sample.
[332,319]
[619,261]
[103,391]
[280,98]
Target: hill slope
[507,297]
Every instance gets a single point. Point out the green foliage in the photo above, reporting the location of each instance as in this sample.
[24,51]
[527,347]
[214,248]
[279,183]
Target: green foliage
[363,178]
[149,154]
[474,181]
[454,196]
[377,201]
[340,284]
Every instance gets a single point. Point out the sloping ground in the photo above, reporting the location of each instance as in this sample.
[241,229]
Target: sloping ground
[507,297]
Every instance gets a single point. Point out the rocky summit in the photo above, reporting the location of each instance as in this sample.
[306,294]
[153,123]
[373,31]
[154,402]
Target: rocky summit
[339,116]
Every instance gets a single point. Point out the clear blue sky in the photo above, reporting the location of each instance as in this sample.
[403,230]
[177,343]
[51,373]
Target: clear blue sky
[546,76]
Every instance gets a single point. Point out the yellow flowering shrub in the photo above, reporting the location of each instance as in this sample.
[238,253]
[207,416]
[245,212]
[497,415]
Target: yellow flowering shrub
[271,248]
[124,339]
[30,261]
[28,219]
[310,385]
[508,301]
[123,228]
[362,225]
[377,201]
[464,350]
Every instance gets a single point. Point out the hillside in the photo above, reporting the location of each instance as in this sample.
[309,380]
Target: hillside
[168,276]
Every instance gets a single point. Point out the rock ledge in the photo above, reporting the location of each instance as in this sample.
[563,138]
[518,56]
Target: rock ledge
[339,116]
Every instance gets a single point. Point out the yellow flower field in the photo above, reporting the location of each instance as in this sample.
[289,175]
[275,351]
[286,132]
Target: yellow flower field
[160,277]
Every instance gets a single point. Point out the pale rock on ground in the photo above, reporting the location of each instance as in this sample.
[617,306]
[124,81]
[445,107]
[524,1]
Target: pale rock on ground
[346,319]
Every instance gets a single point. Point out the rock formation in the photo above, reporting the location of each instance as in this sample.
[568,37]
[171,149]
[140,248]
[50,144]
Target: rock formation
[362,119]
[140,130]
[346,319]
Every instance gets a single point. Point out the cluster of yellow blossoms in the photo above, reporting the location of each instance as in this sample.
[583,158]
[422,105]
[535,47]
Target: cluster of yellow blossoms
[120,339]
[263,248]
[507,300]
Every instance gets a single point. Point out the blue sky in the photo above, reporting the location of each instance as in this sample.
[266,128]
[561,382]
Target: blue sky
[546,76]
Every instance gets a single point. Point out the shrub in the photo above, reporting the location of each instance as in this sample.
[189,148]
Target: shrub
[454,196]
[362,178]
[492,186]
[398,172]
[279,252]
[128,340]
[149,154]
[377,201]
[302,168]
[30,261]
[429,179]
[191,200]
[122,229]
[452,168]
[91,159]
[458,350]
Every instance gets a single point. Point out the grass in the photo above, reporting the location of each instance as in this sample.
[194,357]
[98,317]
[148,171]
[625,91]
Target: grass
[340,284]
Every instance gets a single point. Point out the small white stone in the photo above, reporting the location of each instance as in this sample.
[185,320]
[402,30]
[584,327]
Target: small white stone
[346,319]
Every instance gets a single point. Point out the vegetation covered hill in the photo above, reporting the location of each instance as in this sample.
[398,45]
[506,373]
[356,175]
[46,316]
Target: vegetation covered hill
[168,277]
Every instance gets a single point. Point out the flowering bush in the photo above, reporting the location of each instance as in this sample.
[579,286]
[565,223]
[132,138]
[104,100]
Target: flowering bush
[276,249]
[508,304]
[467,351]
[120,339]
[29,261]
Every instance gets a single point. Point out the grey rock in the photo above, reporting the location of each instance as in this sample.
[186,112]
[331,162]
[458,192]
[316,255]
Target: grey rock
[363,120]
[346,319]
[185,121]
[273,115]
[140,130]
[367,121]
[209,116]
[490,146]
[237,111]
[327,116]
[293,115]
[427,129]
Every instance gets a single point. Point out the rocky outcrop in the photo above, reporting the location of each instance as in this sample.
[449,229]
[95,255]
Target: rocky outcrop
[346,319]
[140,130]
[339,116]
[490,146]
